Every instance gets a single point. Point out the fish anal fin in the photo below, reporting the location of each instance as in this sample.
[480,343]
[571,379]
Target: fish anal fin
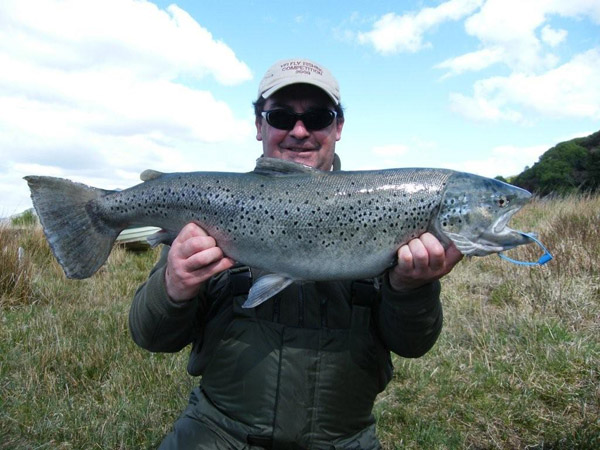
[266,287]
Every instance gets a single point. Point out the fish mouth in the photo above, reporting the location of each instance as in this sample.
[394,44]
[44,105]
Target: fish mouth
[499,236]
[499,227]
[496,238]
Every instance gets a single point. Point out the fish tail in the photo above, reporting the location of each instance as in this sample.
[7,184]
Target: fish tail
[80,239]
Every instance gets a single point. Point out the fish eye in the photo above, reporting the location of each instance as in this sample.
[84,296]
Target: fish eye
[502,202]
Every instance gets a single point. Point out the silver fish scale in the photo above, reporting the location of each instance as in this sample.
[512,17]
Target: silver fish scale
[308,225]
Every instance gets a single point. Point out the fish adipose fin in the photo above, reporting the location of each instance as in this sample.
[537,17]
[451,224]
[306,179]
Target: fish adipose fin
[266,287]
[79,239]
[275,166]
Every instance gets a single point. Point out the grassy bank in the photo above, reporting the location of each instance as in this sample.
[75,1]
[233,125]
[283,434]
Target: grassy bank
[516,366]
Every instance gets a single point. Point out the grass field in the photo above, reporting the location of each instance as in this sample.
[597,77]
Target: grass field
[517,365]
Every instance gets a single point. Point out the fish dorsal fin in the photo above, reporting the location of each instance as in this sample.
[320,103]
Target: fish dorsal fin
[276,166]
[150,174]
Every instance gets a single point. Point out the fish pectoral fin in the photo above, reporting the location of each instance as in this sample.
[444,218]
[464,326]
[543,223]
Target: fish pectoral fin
[470,248]
[276,166]
[465,246]
[266,287]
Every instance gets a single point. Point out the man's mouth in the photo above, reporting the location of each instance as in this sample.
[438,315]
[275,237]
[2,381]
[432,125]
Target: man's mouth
[299,149]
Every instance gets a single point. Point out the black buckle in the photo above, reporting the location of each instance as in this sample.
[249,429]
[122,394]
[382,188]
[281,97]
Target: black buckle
[364,292]
[240,279]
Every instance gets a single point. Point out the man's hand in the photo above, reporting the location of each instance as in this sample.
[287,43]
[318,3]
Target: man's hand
[194,257]
[422,261]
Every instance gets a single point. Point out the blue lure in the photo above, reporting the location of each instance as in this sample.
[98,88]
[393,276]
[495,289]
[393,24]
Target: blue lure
[542,259]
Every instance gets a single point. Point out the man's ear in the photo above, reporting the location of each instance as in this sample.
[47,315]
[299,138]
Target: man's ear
[338,132]
[258,123]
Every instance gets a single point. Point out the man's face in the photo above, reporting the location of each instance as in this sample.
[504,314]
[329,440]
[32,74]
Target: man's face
[313,148]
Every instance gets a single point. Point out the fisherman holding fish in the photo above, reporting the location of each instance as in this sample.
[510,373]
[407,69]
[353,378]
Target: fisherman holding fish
[293,282]
[302,369]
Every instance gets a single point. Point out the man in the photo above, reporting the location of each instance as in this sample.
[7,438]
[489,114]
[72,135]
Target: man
[301,370]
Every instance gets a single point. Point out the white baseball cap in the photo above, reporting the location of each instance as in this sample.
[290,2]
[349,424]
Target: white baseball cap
[293,71]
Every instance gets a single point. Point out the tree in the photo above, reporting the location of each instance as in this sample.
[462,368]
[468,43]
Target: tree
[568,167]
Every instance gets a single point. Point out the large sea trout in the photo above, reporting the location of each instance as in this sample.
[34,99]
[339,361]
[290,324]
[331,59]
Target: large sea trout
[293,221]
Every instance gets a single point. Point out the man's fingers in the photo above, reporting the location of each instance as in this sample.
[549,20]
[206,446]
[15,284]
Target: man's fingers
[405,259]
[421,261]
[193,245]
[194,257]
[202,258]
[189,231]
[218,266]
[435,251]
[419,254]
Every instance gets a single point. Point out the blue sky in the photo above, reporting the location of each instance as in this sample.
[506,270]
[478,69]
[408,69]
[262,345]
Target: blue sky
[100,90]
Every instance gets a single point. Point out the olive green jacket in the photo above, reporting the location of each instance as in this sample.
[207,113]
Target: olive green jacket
[302,369]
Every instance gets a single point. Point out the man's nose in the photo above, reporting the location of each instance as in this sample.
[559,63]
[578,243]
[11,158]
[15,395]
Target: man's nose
[299,131]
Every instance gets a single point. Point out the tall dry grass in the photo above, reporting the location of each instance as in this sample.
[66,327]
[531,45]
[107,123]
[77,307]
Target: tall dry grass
[516,366]
[518,362]
[19,248]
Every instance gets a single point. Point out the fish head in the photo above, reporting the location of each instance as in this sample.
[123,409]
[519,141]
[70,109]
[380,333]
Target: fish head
[474,213]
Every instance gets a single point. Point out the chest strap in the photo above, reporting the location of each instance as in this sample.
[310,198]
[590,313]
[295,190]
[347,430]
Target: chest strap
[364,292]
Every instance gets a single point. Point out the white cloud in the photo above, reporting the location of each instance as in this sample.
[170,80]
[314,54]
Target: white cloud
[553,37]
[508,33]
[92,88]
[92,34]
[480,108]
[578,8]
[518,35]
[473,61]
[570,90]
[405,33]
[504,160]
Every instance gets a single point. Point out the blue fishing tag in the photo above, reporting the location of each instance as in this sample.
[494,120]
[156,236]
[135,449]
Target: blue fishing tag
[542,260]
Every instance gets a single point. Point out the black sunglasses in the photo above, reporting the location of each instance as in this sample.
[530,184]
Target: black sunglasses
[313,119]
